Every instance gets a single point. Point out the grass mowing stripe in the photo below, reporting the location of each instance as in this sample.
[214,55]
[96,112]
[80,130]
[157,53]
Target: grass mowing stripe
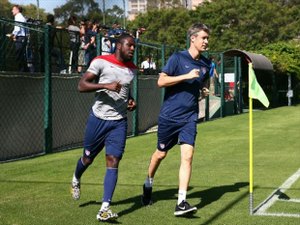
[36,191]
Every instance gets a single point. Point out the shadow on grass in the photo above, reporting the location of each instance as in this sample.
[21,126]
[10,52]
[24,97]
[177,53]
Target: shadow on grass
[215,193]
[205,197]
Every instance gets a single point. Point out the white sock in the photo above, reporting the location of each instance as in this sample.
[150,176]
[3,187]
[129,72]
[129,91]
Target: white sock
[149,182]
[75,180]
[181,196]
[104,206]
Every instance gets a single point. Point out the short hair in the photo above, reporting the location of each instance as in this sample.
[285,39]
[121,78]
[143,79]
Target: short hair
[72,20]
[18,7]
[195,28]
[123,36]
[50,18]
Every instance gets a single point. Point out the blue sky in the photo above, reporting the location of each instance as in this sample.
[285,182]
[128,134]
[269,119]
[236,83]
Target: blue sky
[49,5]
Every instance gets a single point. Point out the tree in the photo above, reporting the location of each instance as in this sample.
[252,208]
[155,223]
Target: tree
[285,56]
[241,24]
[81,8]
[29,11]
[88,9]
[5,9]
[114,15]
[247,24]
[167,26]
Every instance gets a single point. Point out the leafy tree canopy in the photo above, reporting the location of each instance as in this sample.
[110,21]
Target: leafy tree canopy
[238,24]
[5,9]
[285,57]
[88,9]
[235,24]
[167,26]
[81,8]
[29,11]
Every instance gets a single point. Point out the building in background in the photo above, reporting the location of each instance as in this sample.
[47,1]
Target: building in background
[135,7]
[140,6]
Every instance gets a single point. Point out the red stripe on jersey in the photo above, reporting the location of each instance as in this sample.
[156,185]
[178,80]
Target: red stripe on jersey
[112,58]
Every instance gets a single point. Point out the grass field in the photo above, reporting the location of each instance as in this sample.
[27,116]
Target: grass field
[36,191]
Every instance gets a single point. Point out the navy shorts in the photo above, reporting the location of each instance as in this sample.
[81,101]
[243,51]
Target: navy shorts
[171,133]
[108,133]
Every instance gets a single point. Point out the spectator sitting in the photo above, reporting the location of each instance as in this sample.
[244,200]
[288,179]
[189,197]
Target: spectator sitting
[105,44]
[148,66]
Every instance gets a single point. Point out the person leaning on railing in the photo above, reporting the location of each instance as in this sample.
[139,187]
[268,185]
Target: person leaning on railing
[74,33]
[20,39]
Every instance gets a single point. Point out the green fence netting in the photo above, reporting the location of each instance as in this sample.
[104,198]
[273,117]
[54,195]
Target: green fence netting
[42,111]
[22,122]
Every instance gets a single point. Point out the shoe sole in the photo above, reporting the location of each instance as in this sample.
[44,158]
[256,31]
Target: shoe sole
[106,219]
[189,211]
[76,199]
[146,204]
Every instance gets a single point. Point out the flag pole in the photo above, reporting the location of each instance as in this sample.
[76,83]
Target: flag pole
[250,156]
[256,92]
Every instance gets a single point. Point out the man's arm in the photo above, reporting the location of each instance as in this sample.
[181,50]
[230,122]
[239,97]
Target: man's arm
[86,84]
[165,80]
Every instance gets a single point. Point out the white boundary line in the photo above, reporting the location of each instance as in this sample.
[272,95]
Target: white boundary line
[278,214]
[266,204]
[296,200]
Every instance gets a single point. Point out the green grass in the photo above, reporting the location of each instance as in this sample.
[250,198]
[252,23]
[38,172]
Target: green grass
[36,191]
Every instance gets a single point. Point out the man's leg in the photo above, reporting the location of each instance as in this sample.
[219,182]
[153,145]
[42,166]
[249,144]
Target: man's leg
[110,182]
[155,161]
[114,145]
[82,164]
[93,144]
[185,171]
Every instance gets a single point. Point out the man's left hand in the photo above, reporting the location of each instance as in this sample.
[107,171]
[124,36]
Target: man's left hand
[131,105]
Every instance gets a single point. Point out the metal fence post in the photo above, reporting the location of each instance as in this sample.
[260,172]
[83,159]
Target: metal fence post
[47,93]
[206,108]
[163,53]
[222,110]
[240,86]
[135,92]
[98,44]
[236,79]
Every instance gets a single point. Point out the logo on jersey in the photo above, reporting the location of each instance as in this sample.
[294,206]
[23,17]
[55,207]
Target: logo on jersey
[87,152]
[162,146]
[203,70]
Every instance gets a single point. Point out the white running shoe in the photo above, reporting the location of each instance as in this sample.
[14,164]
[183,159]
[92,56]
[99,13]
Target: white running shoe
[75,189]
[106,214]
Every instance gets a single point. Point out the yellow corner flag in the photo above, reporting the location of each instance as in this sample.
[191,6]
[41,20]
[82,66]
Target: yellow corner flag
[255,90]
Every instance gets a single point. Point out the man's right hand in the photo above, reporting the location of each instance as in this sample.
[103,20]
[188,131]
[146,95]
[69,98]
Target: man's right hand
[194,73]
[114,86]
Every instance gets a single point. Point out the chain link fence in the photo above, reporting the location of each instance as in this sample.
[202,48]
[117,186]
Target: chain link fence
[41,109]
